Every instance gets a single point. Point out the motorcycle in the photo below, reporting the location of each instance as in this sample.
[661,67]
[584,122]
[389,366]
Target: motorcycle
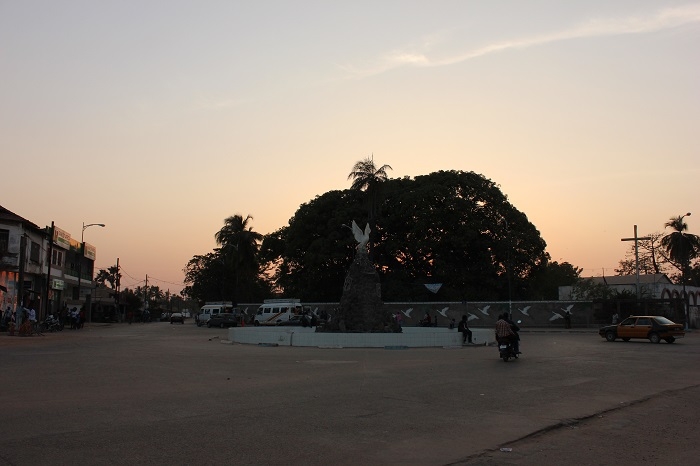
[507,347]
[51,324]
[506,350]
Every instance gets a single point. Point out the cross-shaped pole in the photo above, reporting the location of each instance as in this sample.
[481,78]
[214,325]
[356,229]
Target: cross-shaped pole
[636,240]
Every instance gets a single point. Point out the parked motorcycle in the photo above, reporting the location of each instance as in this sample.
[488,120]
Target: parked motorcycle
[51,324]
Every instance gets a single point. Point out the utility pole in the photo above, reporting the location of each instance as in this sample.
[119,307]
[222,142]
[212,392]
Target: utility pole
[22,260]
[116,291]
[48,271]
[636,240]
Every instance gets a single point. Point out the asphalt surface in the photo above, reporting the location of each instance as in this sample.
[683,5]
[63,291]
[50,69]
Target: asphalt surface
[174,394]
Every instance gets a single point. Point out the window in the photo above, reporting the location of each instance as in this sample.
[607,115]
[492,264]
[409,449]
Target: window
[57,258]
[643,321]
[4,240]
[34,252]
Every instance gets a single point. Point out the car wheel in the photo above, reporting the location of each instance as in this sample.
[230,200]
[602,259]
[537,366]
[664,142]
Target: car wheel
[208,324]
[256,323]
[654,338]
[610,336]
[670,340]
[625,339]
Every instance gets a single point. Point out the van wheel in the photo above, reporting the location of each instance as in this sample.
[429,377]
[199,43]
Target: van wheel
[256,323]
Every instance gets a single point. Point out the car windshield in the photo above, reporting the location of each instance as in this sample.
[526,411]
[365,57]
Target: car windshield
[663,320]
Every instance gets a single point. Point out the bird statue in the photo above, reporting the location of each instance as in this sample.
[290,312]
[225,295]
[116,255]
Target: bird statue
[362,237]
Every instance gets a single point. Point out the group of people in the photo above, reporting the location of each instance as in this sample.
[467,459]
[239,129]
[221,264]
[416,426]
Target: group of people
[26,322]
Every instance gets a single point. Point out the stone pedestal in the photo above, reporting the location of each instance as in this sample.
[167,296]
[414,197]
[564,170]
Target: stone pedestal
[361,307]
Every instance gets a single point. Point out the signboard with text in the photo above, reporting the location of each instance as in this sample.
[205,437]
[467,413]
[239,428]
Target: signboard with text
[57,284]
[61,237]
[90,251]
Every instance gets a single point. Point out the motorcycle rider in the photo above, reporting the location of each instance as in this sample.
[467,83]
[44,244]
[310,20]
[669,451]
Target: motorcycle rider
[504,331]
[514,327]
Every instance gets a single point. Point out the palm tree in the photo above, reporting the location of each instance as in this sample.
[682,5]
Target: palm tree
[239,247]
[681,247]
[367,177]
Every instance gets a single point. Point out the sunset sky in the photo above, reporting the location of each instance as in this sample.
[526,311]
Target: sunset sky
[162,118]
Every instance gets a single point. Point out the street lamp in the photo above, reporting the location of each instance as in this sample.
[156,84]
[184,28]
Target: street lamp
[510,292]
[80,258]
[684,257]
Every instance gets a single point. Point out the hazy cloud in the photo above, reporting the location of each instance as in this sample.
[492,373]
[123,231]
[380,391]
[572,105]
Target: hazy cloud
[664,19]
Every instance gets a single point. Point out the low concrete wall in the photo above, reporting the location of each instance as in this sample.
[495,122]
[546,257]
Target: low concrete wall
[412,337]
[480,314]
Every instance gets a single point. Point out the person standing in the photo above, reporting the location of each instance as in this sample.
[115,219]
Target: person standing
[567,319]
[466,332]
[31,313]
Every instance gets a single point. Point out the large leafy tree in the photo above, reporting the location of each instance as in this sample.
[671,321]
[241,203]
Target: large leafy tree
[367,177]
[239,252]
[455,228]
[203,278]
[680,246]
[546,282]
[450,227]
[313,253]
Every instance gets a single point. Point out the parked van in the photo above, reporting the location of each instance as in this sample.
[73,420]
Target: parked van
[279,311]
[212,309]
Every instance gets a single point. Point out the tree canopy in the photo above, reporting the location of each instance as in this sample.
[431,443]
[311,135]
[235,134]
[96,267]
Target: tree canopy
[231,272]
[681,247]
[450,227]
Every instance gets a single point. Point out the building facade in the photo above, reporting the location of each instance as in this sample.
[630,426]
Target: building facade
[44,268]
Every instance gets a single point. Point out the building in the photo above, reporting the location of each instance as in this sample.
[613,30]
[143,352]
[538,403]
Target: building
[651,286]
[22,261]
[43,267]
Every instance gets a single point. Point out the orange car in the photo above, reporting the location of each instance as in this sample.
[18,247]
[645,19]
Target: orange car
[653,328]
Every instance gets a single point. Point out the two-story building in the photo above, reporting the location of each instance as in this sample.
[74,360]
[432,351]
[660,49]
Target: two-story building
[43,267]
[22,261]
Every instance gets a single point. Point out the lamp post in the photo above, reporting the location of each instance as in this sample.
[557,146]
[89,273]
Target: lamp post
[510,292]
[80,258]
[684,258]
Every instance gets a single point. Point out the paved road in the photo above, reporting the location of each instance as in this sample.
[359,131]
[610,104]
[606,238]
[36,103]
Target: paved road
[173,394]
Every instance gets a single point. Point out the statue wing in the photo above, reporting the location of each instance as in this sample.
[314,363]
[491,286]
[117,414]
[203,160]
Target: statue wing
[357,232]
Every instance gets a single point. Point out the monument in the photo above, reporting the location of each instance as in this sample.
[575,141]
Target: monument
[361,307]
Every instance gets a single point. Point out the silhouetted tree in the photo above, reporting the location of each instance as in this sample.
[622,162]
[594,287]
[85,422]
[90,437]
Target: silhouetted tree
[681,247]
